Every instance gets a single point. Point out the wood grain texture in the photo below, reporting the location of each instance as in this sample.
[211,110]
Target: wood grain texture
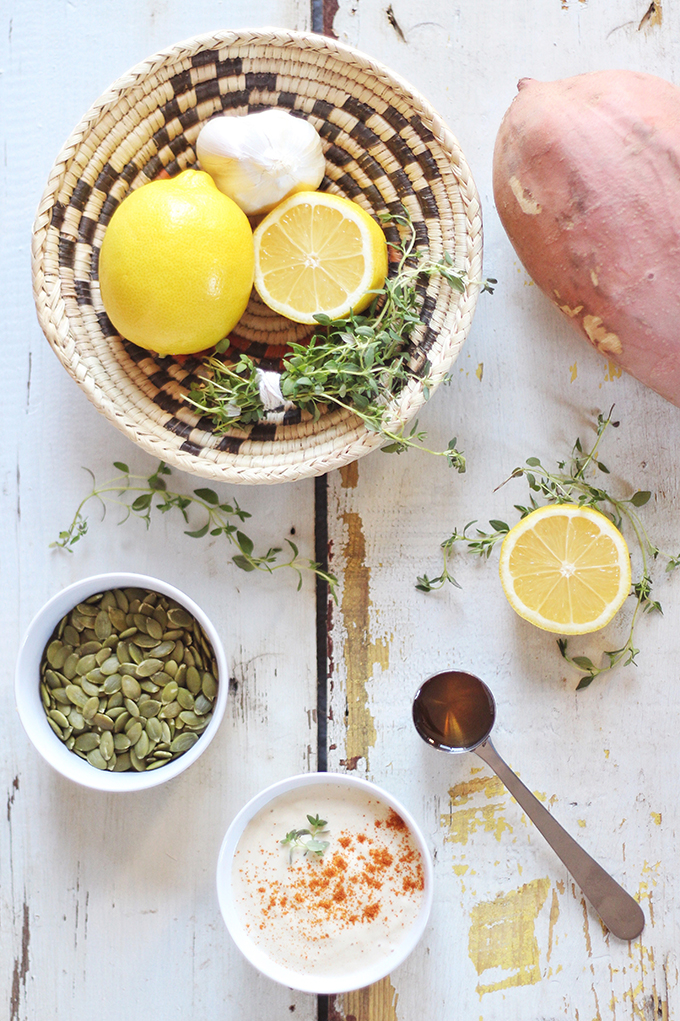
[511,937]
[108,904]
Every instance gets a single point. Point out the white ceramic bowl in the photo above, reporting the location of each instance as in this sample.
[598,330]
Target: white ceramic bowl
[32,712]
[309,982]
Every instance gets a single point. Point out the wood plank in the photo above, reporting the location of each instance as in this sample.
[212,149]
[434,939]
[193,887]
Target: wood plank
[511,936]
[108,904]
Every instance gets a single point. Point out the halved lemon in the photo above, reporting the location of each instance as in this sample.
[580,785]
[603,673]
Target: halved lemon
[565,568]
[318,253]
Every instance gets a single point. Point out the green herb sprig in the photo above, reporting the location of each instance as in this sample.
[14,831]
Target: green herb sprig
[359,363]
[569,484]
[139,495]
[308,840]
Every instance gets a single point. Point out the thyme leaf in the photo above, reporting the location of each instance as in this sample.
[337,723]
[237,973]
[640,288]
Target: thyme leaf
[139,495]
[308,840]
[572,482]
[359,363]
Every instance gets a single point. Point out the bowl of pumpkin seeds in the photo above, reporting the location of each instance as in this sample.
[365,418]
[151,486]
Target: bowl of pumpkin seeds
[121,682]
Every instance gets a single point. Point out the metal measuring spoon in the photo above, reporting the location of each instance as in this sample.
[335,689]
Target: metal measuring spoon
[455,712]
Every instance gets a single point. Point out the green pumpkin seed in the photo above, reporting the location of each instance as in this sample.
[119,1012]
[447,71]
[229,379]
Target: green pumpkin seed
[148,667]
[122,722]
[117,618]
[88,687]
[114,701]
[136,762]
[170,711]
[70,665]
[131,707]
[209,685]
[121,599]
[130,687]
[121,742]
[106,745]
[178,617]
[169,692]
[149,708]
[183,742]
[122,763]
[113,683]
[136,654]
[95,758]
[57,729]
[87,742]
[202,705]
[90,708]
[141,747]
[76,719]
[134,730]
[185,698]
[153,729]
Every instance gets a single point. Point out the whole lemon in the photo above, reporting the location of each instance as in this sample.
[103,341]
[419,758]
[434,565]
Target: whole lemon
[176,264]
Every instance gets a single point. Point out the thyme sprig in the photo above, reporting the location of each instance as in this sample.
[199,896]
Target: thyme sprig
[139,495]
[359,364]
[572,483]
[308,840]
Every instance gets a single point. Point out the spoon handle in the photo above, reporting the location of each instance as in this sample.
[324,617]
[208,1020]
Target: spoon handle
[620,913]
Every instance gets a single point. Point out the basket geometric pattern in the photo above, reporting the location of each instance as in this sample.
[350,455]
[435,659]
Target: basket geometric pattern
[384,147]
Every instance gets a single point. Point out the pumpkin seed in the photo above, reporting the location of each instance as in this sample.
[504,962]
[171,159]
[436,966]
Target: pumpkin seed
[185,698]
[87,742]
[148,667]
[106,745]
[95,758]
[130,687]
[149,708]
[183,742]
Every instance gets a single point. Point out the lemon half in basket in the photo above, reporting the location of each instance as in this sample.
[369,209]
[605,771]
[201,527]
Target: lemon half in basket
[565,568]
[318,253]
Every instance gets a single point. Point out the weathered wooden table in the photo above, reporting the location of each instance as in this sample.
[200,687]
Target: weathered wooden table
[107,903]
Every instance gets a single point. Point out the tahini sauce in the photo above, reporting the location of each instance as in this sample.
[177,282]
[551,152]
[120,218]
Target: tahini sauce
[328,915]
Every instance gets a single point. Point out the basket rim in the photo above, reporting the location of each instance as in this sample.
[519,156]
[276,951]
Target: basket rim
[213,464]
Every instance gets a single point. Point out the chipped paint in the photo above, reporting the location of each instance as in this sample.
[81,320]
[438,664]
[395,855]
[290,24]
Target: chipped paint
[573,369]
[527,202]
[554,915]
[502,937]
[656,816]
[461,823]
[652,17]
[21,966]
[479,371]
[349,475]
[612,371]
[360,653]
[376,1001]
[606,342]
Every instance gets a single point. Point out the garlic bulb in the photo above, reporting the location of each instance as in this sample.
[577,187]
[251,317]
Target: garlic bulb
[259,159]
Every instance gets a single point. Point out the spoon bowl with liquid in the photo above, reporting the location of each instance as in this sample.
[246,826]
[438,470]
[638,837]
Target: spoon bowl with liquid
[455,712]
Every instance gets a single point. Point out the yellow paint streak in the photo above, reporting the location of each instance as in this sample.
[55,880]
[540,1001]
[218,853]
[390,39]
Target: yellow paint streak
[349,475]
[460,870]
[582,823]
[606,753]
[586,928]
[612,371]
[462,822]
[462,792]
[360,653]
[479,371]
[656,816]
[554,915]
[502,937]
[574,371]
[373,1003]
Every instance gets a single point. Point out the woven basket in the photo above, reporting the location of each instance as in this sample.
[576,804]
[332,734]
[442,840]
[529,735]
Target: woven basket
[384,147]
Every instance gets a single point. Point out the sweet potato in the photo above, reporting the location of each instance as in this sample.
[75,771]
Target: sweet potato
[586,181]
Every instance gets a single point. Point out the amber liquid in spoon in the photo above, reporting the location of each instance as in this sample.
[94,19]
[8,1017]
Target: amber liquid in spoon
[454,710]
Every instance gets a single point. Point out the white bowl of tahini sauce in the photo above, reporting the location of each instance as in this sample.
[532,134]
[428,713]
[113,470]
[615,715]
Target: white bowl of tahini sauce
[335,915]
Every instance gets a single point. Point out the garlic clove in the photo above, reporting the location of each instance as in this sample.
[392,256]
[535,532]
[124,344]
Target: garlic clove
[261,158]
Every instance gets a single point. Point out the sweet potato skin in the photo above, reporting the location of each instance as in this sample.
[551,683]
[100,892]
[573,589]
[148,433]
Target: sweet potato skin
[586,179]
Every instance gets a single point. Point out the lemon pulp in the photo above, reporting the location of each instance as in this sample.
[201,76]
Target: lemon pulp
[318,253]
[565,568]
